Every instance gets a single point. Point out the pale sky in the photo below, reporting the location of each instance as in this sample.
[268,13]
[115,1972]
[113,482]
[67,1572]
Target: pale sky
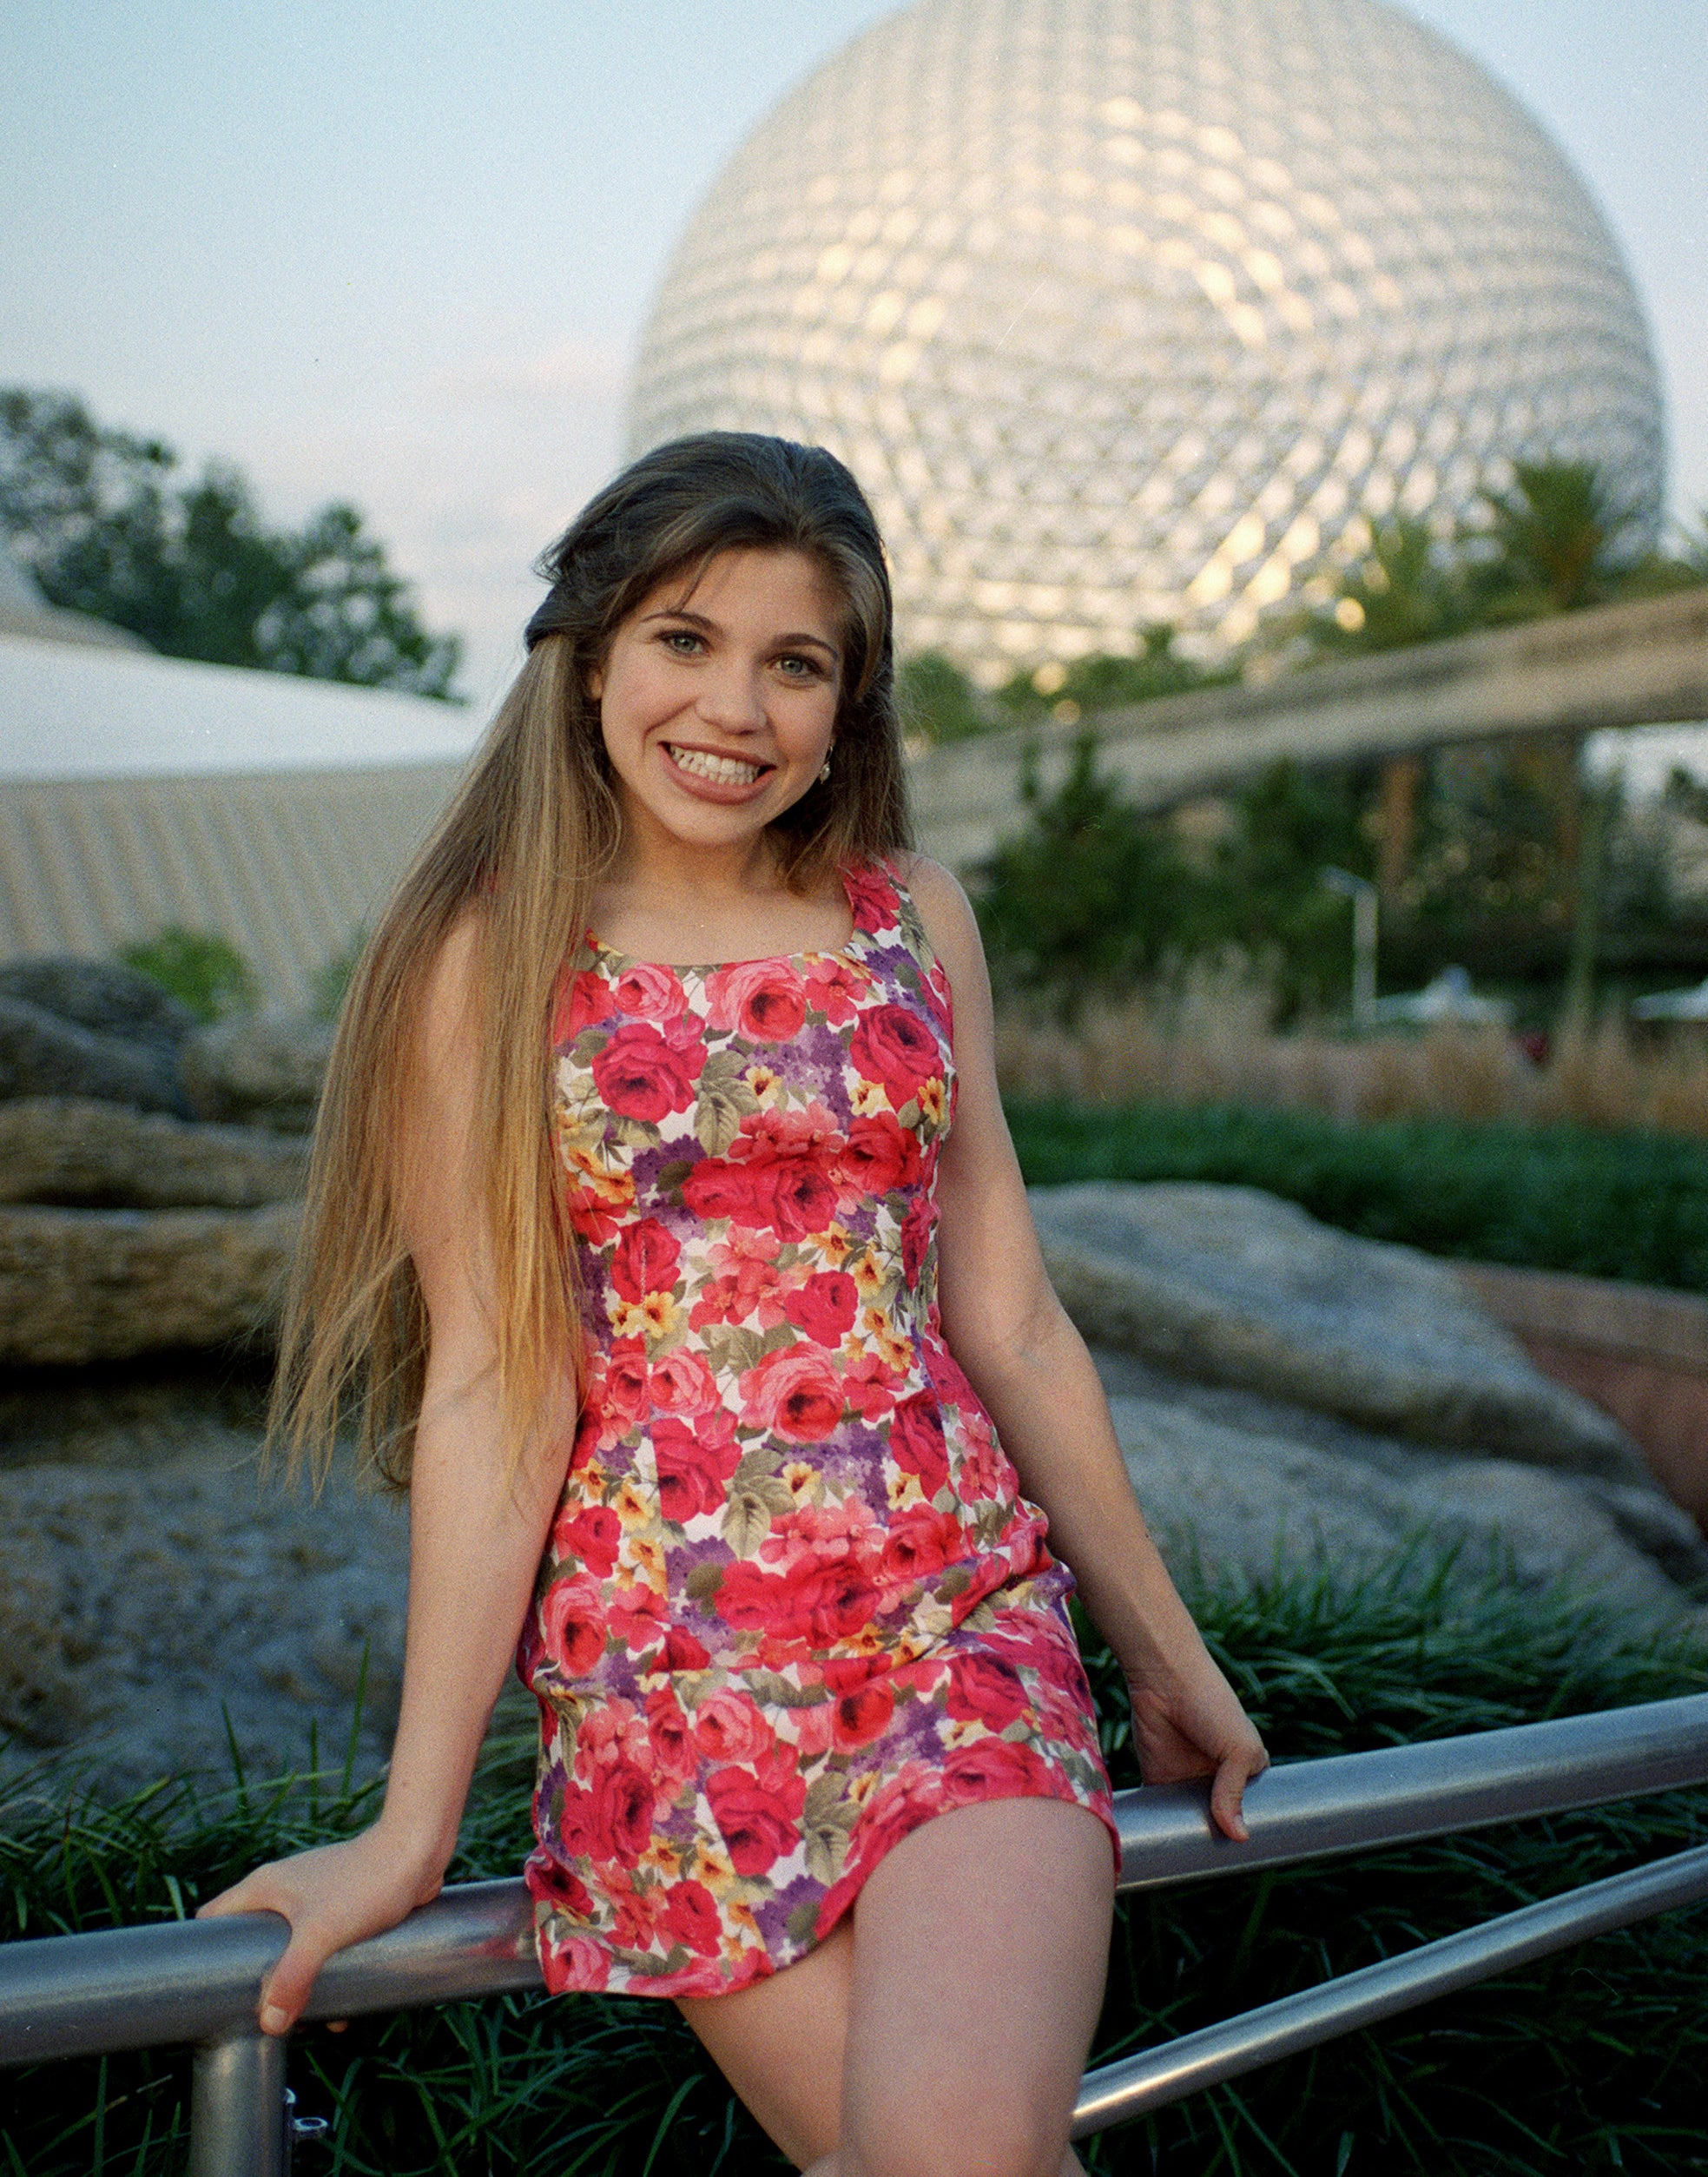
[401,250]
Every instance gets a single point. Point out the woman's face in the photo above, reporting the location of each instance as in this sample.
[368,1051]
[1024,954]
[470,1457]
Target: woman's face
[718,704]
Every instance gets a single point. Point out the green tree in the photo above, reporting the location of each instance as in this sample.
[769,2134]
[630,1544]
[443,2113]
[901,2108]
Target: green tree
[1266,893]
[1552,543]
[1557,541]
[102,522]
[1406,589]
[1106,681]
[1087,897]
[937,699]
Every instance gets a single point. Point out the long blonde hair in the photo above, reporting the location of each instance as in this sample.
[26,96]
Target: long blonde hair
[534,825]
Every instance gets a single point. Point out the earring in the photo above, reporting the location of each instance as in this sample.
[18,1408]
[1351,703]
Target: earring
[824,771]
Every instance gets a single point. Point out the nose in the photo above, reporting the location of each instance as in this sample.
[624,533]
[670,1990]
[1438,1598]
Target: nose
[729,698]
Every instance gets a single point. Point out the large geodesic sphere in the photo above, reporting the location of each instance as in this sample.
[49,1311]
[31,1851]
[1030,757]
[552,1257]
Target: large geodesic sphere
[1128,310]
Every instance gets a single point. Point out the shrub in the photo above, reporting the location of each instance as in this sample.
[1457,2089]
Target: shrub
[208,974]
[1630,1205]
[1590,2061]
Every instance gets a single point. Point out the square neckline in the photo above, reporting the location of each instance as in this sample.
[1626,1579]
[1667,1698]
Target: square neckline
[845,951]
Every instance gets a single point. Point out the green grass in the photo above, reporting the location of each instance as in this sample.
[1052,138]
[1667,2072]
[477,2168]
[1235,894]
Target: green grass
[1592,2061]
[1633,1205]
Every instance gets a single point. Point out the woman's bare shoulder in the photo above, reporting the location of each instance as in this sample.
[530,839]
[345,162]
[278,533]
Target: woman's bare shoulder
[945,912]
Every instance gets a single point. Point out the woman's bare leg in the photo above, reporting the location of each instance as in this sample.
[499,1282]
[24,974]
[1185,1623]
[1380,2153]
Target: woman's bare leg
[780,2043]
[946,2037]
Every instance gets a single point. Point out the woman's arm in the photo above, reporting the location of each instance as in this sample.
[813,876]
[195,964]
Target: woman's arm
[1029,1365]
[478,1525]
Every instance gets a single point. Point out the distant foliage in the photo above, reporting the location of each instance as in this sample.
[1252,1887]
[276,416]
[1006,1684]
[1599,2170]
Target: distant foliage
[1089,897]
[208,974]
[1553,541]
[101,519]
[1266,896]
[937,701]
[1405,590]
[1557,541]
[1479,857]
[1085,898]
[1633,1205]
[1104,681]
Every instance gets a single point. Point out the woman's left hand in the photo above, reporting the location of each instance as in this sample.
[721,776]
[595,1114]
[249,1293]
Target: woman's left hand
[1188,1722]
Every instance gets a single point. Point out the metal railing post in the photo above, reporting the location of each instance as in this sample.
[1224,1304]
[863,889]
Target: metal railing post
[237,2107]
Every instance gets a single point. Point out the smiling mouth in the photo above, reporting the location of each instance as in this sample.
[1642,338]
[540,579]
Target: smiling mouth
[721,770]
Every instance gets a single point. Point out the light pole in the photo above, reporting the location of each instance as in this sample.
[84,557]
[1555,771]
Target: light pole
[1362,896]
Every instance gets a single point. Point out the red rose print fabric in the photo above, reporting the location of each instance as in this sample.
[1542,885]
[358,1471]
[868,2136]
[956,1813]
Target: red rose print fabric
[793,1603]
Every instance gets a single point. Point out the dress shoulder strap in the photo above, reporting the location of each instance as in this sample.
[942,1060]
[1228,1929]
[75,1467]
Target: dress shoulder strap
[886,914]
[910,922]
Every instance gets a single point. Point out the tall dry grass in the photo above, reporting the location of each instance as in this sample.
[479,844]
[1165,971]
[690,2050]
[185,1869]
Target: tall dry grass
[1208,1039]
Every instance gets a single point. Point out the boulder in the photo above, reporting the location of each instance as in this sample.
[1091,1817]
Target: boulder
[1250,1485]
[82,1286]
[43,1053]
[265,1071]
[140,1609]
[72,1151]
[135,1418]
[102,996]
[1230,1285]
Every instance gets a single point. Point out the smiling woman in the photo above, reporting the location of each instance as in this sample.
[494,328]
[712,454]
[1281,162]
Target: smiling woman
[717,708]
[685,1269]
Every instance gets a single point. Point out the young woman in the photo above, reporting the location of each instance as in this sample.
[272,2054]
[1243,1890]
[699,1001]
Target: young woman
[665,1221]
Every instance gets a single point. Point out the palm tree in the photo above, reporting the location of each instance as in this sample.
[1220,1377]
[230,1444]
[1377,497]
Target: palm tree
[1404,590]
[1553,535]
[1557,540]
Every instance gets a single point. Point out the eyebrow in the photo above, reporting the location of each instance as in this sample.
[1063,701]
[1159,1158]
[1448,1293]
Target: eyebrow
[699,620]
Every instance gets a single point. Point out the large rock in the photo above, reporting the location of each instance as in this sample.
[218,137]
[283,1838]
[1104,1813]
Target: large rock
[43,1053]
[140,1609]
[1228,1285]
[103,996]
[139,1417]
[1247,1485]
[82,1286]
[71,1150]
[265,1071]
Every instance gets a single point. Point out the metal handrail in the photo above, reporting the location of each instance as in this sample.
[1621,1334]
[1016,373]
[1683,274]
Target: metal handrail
[200,1981]
[1155,2077]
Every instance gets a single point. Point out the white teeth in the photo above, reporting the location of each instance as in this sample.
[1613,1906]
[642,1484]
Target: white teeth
[722,770]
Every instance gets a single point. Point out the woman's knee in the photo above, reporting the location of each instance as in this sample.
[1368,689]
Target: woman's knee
[993,2130]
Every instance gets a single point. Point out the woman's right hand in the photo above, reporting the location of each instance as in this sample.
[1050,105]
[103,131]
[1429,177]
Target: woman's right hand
[332,1896]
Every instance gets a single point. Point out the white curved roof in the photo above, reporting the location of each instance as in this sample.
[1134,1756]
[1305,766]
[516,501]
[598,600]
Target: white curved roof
[138,792]
[67,712]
